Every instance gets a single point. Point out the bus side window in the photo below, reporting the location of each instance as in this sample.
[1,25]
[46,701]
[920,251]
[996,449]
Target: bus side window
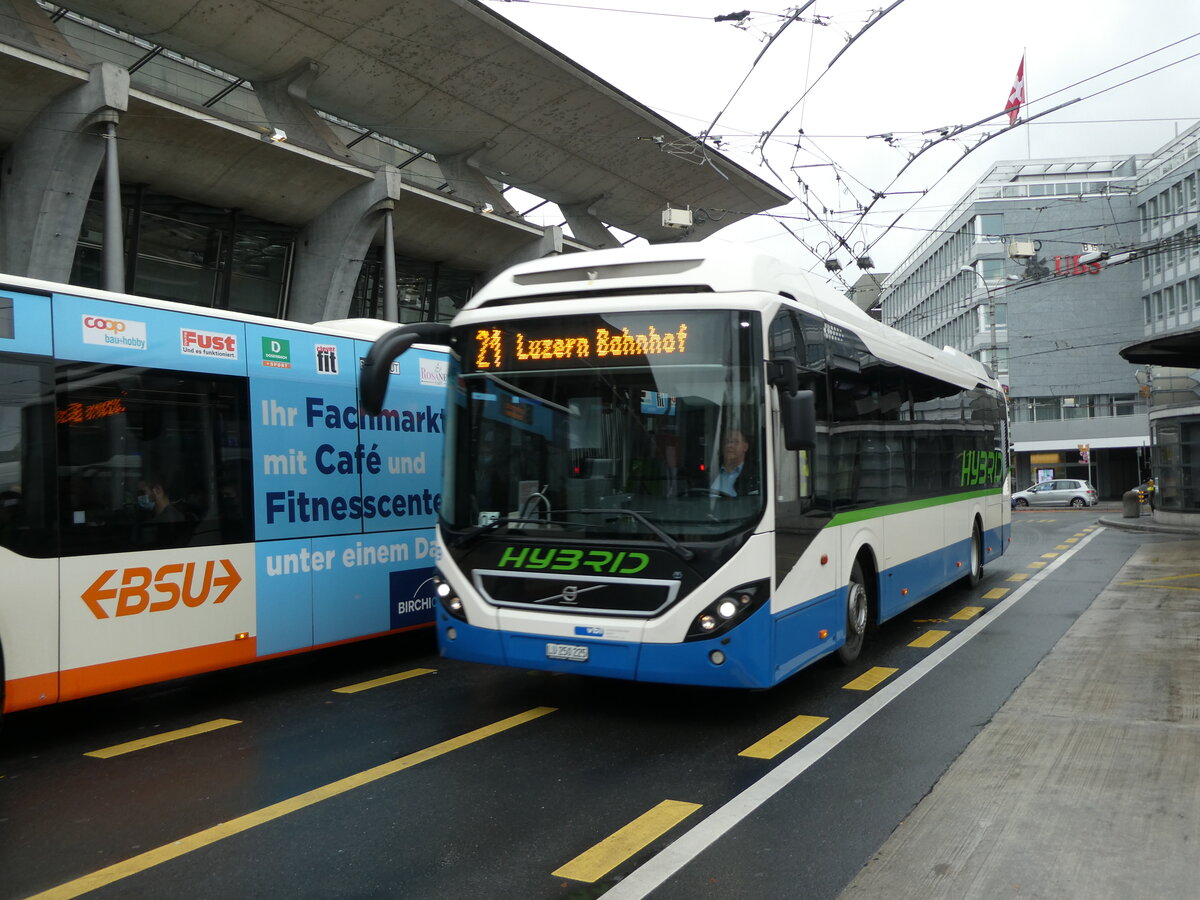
[27,458]
[150,459]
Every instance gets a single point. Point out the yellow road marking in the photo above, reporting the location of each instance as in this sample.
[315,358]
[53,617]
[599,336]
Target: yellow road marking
[783,737]
[177,848]
[1071,540]
[995,593]
[1049,556]
[165,738]
[1158,582]
[379,682]
[870,679]
[1038,565]
[1018,576]
[929,638]
[967,612]
[1062,547]
[623,843]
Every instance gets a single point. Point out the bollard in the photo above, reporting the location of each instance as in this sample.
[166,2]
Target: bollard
[1131,505]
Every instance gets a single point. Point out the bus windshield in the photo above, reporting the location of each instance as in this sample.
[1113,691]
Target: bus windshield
[643,425]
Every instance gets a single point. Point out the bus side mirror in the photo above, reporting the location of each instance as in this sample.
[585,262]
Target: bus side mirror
[798,412]
[372,379]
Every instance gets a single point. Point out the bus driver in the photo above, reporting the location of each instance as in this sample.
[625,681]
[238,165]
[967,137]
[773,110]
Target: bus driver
[736,477]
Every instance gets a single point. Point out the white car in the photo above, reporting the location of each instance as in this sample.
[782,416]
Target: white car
[1060,492]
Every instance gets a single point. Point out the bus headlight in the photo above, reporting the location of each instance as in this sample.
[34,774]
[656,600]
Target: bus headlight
[450,601]
[728,610]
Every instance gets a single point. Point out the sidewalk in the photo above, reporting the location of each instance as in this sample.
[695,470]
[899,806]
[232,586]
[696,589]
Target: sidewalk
[1086,783]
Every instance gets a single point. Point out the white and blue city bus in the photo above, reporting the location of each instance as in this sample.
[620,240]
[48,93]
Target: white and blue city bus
[589,398]
[185,489]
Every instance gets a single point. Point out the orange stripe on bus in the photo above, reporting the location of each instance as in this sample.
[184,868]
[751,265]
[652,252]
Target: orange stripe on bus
[31,691]
[87,681]
[126,673]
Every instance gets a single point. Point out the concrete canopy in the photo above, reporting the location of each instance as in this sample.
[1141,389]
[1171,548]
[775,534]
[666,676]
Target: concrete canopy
[451,77]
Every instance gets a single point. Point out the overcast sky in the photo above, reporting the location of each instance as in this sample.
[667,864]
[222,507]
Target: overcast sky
[925,65]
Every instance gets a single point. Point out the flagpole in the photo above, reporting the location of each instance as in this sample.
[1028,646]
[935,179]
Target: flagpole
[1025,79]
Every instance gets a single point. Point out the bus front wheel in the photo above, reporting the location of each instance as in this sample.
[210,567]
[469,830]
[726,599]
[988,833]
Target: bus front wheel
[975,575]
[858,605]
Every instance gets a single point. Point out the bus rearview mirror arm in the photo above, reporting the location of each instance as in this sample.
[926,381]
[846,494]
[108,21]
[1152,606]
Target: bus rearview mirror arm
[372,379]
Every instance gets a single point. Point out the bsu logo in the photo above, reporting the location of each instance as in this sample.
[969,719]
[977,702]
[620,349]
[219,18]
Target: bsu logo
[170,584]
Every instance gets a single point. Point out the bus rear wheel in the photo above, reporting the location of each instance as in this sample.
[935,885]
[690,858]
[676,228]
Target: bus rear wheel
[975,575]
[858,606]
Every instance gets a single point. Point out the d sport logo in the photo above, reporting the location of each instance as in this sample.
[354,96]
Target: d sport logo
[114,332]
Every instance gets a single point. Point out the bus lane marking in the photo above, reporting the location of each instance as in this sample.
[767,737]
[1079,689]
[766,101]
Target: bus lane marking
[1038,565]
[929,638]
[995,593]
[605,856]
[165,738]
[967,613]
[143,861]
[1062,547]
[656,871]
[1018,576]
[783,737]
[380,682]
[870,679]
[1049,555]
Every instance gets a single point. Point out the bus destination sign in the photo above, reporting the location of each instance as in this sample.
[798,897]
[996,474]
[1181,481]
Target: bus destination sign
[609,340]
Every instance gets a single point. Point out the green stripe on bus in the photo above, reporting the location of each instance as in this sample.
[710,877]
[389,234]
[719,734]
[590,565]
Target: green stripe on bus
[875,512]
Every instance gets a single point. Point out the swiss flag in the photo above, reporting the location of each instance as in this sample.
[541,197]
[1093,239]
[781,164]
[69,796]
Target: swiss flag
[1016,97]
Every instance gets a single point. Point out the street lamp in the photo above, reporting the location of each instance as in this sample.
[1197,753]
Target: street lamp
[991,301]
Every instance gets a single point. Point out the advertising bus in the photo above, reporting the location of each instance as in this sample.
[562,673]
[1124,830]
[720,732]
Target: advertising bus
[694,464]
[185,489]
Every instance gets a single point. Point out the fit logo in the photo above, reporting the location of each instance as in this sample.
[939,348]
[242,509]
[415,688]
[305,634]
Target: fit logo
[139,589]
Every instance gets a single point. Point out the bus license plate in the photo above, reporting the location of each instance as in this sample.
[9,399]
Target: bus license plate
[567,651]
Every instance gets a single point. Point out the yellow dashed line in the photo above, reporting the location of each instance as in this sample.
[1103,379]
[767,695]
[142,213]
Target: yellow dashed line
[1018,576]
[995,593]
[870,679]
[966,613]
[176,848]
[929,638]
[622,844]
[783,737]
[1071,541]
[164,738]
[1049,556]
[1037,565]
[379,682]
[1062,547]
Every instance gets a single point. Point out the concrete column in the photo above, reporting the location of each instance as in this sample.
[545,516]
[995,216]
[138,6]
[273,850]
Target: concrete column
[49,173]
[114,233]
[391,299]
[330,249]
[549,244]
[586,225]
[467,183]
[285,102]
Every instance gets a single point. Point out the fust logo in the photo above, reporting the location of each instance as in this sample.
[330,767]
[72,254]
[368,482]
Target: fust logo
[207,343]
[138,589]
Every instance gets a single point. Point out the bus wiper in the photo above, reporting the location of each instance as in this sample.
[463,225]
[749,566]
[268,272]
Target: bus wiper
[471,534]
[679,548]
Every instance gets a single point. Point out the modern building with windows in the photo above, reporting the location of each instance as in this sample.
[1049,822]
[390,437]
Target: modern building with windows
[1168,201]
[1007,276]
[325,160]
